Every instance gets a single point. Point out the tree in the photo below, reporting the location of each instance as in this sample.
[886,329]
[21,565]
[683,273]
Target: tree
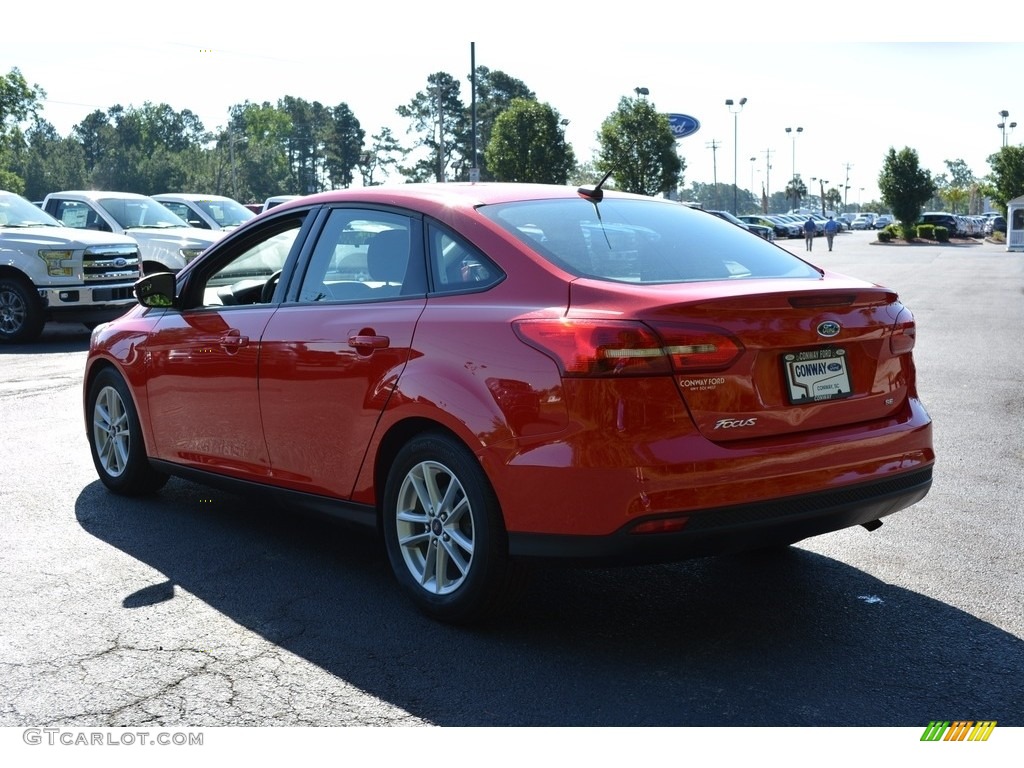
[528,144]
[796,191]
[638,148]
[1007,178]
[719,197]
[957,190]
[495,92]
[437,115]
[905,186]
[384,154]
[19,102]
[343,146]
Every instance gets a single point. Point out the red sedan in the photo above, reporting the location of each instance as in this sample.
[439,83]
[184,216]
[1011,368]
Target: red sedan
[488,373]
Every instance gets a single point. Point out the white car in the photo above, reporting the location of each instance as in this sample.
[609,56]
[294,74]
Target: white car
[214,212]
[167,243]
[270,202]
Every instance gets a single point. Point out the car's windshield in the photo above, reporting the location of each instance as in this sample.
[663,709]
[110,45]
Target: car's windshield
[643,241]
[226,212]
[140,212]
[16,211]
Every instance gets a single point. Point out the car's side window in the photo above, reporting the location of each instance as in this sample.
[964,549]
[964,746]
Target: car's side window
[363,255]
[456,266]
[250,274]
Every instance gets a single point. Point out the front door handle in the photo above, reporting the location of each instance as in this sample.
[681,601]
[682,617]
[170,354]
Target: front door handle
[233,341]
[368,343]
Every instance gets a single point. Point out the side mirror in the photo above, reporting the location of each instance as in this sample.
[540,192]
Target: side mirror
[156,290]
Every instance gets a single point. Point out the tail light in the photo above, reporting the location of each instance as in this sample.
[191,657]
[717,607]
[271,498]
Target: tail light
[904,333]
[599,348]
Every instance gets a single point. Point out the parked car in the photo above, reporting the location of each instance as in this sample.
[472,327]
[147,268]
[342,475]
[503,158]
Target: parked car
[940,219]
[995,224]
[51,272]
[272,202]
[883,221]
[524,371]
[863,221]
[165,241]
[205,211]
[767,233]
[779,229]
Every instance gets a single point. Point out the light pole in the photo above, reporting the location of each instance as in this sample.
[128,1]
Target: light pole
[752,161]
[1003,125]
[735,108]
[823,182]
[793,132]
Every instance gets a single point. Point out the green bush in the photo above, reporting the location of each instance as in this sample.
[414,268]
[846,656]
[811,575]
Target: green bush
[942,234]
[885,235]
[926,231]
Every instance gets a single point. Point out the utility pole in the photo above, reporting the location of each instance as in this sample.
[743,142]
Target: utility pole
[768,173]
[713,145]
[846,184]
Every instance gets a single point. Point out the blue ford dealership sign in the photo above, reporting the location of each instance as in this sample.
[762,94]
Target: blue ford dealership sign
[683,125]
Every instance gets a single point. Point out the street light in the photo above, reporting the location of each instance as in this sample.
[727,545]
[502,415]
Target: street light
[1003,125]
[752,161]
[735,108]
[793,132]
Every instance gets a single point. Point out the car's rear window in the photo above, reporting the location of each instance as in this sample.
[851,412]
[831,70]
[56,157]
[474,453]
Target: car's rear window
[643,241]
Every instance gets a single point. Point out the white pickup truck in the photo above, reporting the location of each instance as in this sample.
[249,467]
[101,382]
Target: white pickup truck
[50,272]
[167,243]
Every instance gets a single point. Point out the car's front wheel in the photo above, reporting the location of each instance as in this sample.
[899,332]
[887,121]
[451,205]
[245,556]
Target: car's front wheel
[115,438]
[444,532]
[21,315]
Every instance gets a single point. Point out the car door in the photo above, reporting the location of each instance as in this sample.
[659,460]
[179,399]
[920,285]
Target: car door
[203,360]
[332,353]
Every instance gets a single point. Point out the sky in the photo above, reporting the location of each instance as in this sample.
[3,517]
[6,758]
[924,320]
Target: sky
[854,93]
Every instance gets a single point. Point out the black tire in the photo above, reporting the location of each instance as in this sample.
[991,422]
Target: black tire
[115,438]
[21,312]
[444,532]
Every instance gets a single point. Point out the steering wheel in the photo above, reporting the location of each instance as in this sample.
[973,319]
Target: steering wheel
[267,294]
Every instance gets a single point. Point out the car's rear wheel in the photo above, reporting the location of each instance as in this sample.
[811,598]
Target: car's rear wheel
[444,532]
[115,438]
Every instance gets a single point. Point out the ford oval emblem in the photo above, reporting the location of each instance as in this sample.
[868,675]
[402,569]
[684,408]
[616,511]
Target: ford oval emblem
[828,329]
[120,262]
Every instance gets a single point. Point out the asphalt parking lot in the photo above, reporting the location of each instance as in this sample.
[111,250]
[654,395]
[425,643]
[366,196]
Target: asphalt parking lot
[197,608]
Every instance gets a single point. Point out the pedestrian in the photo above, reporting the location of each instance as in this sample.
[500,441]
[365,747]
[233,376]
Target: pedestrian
[810,228]
[831,227]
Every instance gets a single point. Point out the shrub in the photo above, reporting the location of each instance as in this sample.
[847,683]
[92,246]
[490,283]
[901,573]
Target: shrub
[942,234]
[885,235]
[926,231]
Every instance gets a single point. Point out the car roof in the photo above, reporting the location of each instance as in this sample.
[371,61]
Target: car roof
[453,194]
[190,196]
[96,194]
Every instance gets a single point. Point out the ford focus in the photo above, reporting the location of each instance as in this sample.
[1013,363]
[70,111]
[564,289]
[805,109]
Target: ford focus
[485,374]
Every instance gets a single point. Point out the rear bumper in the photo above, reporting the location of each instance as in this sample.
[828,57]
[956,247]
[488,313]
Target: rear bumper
[737,528]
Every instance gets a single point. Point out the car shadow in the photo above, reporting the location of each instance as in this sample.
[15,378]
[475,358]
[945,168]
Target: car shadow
[56,338]
[790,638]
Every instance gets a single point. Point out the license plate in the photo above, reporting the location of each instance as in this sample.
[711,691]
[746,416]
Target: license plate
[816,375]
